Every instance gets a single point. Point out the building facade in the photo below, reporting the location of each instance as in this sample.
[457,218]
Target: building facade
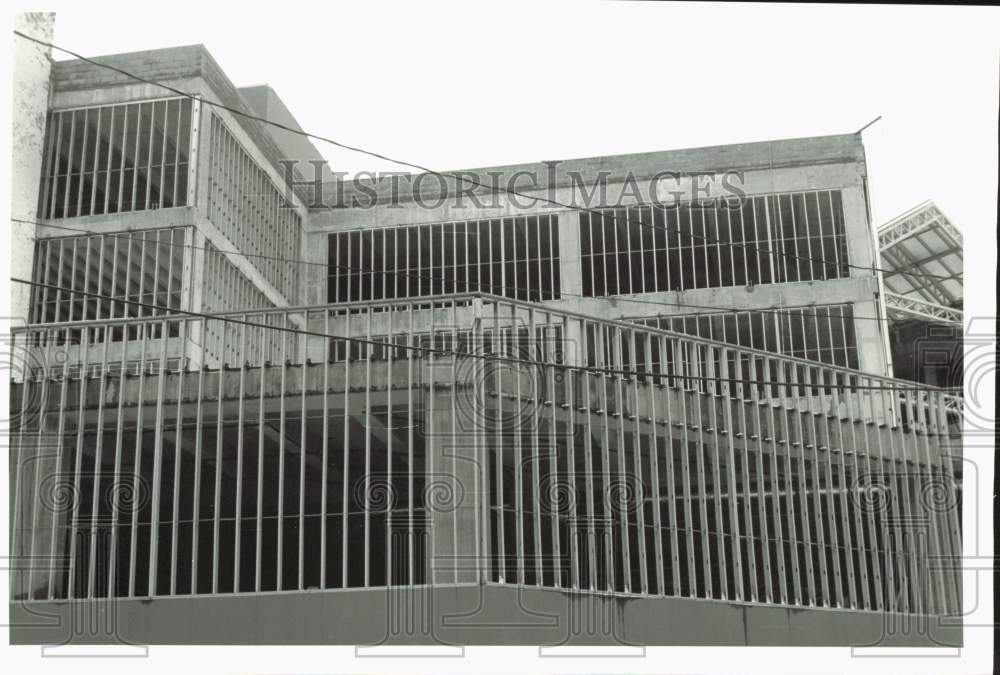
[645,386]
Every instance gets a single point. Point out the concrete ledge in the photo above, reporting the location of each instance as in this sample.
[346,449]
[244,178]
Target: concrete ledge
[459,615]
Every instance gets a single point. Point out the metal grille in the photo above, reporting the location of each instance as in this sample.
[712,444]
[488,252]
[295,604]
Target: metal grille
[116,158]
[252,212]
[226,288]
[816,333]
[515,257]
[146,266]
[714,243]
[536,447]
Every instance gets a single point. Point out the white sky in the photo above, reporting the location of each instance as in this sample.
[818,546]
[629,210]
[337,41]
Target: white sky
[459,86]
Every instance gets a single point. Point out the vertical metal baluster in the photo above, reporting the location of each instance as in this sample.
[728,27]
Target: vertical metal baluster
[654,387]
[217,496]
[137,476]
[49,169]
[823,435]
[605,365]
[117,477]
[390,488]
[501,497]
[798,394]
[303,445]
[756,403]
[917,519]
[69,165]
[149,153]
[411,344]
[572,361]
[866,562]
[885,600]
[175,514]
[345,503]
[482,450]
[553,362]
[742,401]
[698,393]
[453,357]
[620,409]
[683,364]
[637,458]
[779,542]
[848,550]
[368,435]
[263,362]
[78,461]
[536,406]
[281,454]
[785,431]
[18,463]
[902,514]
[45,376]
[430,432]
[938,568]
[238,520]
[198,447]
[518,449]
[954,535]
[135,157]
[93,171]
[588,412]
[712,393]
[925,509]
[729,399]
[675,565]
[810,441]
[327,355]
[98,462]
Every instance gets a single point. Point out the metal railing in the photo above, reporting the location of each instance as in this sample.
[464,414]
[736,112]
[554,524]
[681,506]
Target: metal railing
[470,439]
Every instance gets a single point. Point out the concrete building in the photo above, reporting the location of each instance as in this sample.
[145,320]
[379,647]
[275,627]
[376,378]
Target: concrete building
[261,405]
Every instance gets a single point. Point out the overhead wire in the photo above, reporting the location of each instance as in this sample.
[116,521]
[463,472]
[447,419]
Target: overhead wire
[173,314]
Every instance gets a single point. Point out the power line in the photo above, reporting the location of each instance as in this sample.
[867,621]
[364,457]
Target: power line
[492,287]
[170,314]
[454,176]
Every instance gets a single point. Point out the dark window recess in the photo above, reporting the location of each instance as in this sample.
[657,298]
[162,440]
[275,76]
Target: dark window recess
[117,158]
[514,257]
[824,333]
[762,239]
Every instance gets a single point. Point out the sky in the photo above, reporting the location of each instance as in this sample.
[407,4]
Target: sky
[454,86]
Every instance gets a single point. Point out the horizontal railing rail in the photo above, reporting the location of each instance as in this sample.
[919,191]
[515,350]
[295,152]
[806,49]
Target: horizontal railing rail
[443,301]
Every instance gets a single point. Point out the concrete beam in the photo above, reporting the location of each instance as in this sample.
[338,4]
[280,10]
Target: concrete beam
[450,615]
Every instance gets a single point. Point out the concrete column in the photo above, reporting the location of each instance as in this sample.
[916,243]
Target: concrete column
[315,247]
[570,280]
[453,492]
[873,342]
[860,243]
[30,92]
